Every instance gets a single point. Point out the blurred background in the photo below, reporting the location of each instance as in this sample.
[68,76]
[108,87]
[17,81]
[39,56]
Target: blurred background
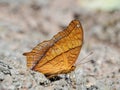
[25,23]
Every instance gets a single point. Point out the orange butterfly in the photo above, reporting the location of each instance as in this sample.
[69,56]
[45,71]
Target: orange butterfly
[57,55]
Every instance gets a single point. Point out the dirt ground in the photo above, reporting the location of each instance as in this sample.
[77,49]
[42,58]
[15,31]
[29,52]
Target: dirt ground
[24,25]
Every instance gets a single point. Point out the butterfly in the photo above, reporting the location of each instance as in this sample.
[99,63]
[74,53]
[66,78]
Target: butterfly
[59,54]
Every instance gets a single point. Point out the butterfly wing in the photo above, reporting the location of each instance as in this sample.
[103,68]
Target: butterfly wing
[37,53]
[60,53]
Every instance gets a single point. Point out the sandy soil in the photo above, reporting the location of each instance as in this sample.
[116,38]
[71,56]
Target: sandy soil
[23,26]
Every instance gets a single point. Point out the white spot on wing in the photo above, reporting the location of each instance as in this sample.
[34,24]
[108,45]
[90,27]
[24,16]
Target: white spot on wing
[78,25]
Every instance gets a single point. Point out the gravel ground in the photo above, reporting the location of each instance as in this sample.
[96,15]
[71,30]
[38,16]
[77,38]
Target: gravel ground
[23,26]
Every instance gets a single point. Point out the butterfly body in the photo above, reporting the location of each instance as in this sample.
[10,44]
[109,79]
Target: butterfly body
[58,55]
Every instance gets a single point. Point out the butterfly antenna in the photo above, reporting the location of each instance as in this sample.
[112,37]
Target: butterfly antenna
[86,56]
[86,62]
[84,59]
